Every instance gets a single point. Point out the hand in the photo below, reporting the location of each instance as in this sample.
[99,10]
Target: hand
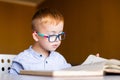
[98,55]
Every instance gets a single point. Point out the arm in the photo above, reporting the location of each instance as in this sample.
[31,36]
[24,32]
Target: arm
[15,68]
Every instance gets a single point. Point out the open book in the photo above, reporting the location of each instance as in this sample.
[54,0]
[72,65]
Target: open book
[92,66]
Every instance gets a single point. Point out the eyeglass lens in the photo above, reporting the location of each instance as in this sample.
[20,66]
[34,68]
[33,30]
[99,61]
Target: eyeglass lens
[53,38]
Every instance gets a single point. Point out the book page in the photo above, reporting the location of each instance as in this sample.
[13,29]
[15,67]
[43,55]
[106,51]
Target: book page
[112,66]
[88,67]
[92,63]
[113,62]
[93,59]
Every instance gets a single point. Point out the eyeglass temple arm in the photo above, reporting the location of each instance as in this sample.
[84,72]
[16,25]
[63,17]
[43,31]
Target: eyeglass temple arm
[42,35]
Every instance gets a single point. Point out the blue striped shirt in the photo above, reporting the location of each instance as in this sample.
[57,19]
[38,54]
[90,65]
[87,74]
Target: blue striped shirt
[31,60]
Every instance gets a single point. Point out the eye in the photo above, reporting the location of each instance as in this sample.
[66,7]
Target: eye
[62,36]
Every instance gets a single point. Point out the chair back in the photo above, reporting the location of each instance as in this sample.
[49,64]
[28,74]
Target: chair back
[5,62]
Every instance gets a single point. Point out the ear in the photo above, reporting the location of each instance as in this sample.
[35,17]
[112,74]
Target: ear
[34,34]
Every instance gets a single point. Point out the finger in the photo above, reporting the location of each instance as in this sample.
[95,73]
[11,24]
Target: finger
[98,55]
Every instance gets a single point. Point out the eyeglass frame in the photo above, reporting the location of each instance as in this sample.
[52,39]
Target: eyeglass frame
[57,36]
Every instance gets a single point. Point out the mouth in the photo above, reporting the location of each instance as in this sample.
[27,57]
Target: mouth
[55,45]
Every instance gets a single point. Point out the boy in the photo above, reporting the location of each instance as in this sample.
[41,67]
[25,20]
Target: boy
[47,26]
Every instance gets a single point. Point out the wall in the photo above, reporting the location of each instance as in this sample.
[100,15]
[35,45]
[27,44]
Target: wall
[15,27]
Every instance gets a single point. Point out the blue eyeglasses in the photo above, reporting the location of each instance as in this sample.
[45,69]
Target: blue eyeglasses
[53,38]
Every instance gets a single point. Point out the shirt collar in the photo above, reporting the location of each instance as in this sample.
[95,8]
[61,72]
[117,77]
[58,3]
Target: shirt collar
[34,53]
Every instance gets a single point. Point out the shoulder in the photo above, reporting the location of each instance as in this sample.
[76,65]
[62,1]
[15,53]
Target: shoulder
[22,55]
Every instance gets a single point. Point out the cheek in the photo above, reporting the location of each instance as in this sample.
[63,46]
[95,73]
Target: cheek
[44,42]
[59,43]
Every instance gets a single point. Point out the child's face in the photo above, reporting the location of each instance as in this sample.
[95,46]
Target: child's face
[49,29]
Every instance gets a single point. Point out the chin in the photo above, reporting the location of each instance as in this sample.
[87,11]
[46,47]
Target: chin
[52,49]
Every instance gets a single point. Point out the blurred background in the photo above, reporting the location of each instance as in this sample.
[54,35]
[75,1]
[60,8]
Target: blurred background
[91,26]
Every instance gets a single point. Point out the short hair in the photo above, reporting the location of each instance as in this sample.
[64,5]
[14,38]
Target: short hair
[46,15]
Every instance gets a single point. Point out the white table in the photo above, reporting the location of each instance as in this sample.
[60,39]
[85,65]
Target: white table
[27,77]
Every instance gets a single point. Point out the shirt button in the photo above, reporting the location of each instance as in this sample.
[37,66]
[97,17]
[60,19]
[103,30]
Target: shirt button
[40,55]
[46,62]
